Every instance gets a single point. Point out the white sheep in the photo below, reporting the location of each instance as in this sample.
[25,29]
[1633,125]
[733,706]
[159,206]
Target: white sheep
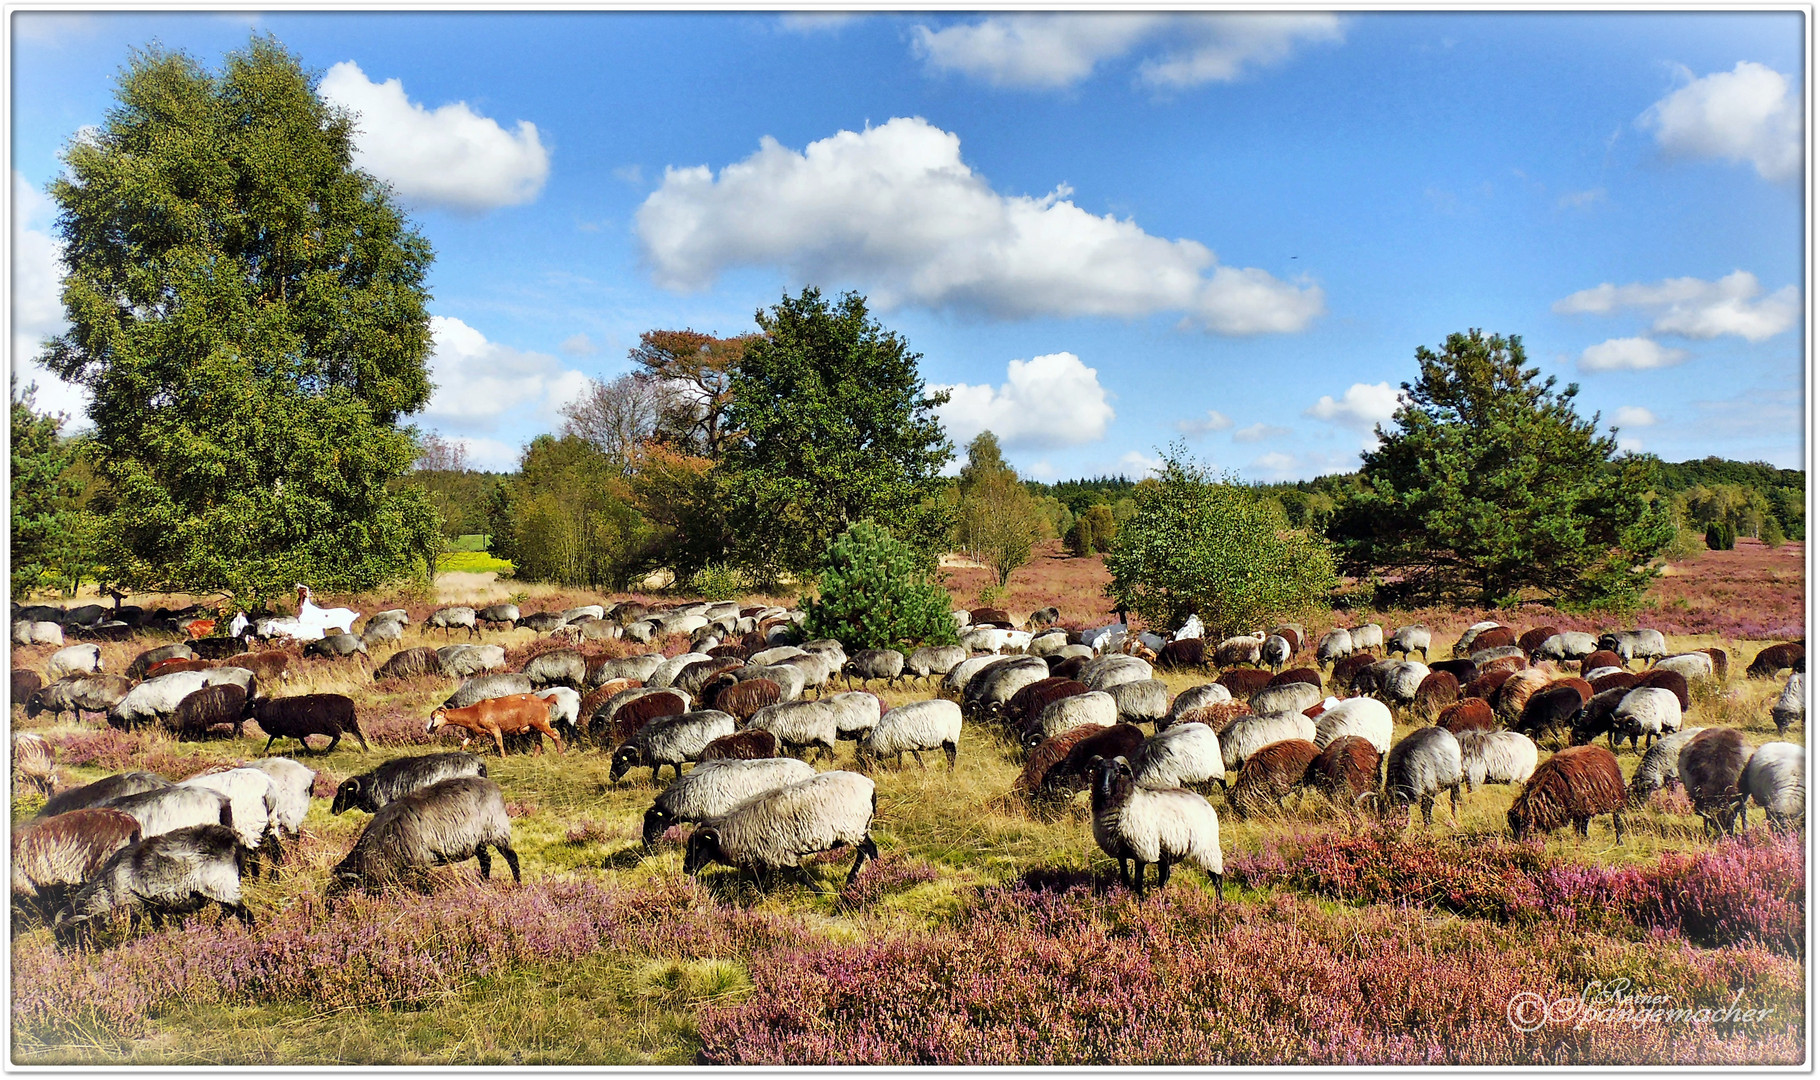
[858,713]
[1496,757]
[1420,766]
[791,681]
[1776,779]
[1403,680]
[1368,718]
[781,828]
[1567,645]
[1409,639]
[1179,756]
[1143,701]
[255,808]
[1108,671]
[292,782]
[1336,644]
[1289,697]
[154,700]
[1692,665]
[1249,734]
[1096,707]
[715,788]
[1368,637]
[81,659]
[800,724]
[1649,712]
[918,726]
[1144,826]
[162,810]
[1636,644]
[954,683]
[671,740]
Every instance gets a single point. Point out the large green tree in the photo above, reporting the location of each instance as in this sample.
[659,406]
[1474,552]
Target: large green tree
[834,427]
[566,516]
[248,311]
[1492,489]
[997,521]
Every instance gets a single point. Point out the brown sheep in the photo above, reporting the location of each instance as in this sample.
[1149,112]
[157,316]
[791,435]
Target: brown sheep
[1575,785]
[732,648]
[1602,658]
[1030,701]
[1070,774]
[1535,637]
[1580,685]
[741,699]
[631,717]
[1497,637]
[1672,681]
[1437,691]
[1348,668]
[1550,709]
[179,663]
[602,694]
[1301,674]
[136,669]
[410,663]
[1069,668]
[1345,770]
[1186,653]
[1244,682]
[34,764]
[1468,714]
[1771,661]
[1626,679]
[1710,765]
[1722,662]
[1516,692]
[1485,686]
[1047,755]
[1511,664]
[60,854]
[267,666]
[989,615]
[1268,776]
[1218,717]
[1313,712]
[26,682]
[1290,634]
[740,746]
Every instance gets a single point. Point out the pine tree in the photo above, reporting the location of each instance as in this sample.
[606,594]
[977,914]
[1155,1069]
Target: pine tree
[875,593]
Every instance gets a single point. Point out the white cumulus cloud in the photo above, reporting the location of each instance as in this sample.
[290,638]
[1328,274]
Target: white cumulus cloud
[1750,113]
[1215,420]
[450,156]
[480,383]
[1259,432]
[1135,462]
[1633,416]
[1693,308]
[1630,354]
[894,209]
[1362,407]
[1046,401]
[1052,51]
[37,302]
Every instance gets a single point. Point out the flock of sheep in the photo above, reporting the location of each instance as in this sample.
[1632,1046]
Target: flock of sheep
[750,705]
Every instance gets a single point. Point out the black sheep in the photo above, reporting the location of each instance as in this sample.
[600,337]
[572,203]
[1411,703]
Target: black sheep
[330,715]
[207,707]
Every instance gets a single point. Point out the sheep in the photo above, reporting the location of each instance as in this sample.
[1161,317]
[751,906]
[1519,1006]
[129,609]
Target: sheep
[1108,671]
[565,666]
[1645,645]
[1514,693]
[449,821]
[692,680]
[741,699]
[1347,670]
[1063,765]
[767,657]
[1597,717]
[1710,765]
[1463,671]
[74,660]
[1276,651]
[1402,682]
[628,667]
[1284,698]
[587,611]
[1030,701]
[1567,645]
[1345,770]
[954,683]
[791,681]
[1496,757]
[741,746]
[373,790]
[410,663]
[1366,718]
[1096,708]
[1532,639]
[671,741]
[1554,708]
[1192,653]
[1079,654]
[1244,682]
[137,669]
[1772,660]
[1659,764]
[858,712]
[1145,825]
[1269,775]
[26,632]
[486,687]
[931,660]
[918,726]
[1145,701]
[1186,755]
[1647,711]
[1791,705]
[544,622]
[1419,767]
[782,827]
[800,724]
[1469,639]
[461,661]
[1196,697]
[988,692]
[1219,717]
[1409,639]
[713,789]
[867,664]
[1467,714]
[299,717]
[1251,734]
[101,792]
[667,671]
[292,783]
[1574,785]
[1367,637]
[34,763]
[208,707]
[1485,658]
[1296,675]
[625,713]
[26,682]
[1619,679]
[79,694]
[1242,649]
[254,806]
[497,615]
[174,806]
[58,855]
[156,698]
[268,666]
[172,873]
[334,646]
[1775,777]
[817,668]
[1336,645]
[498,717]
[1693,665]
[1604,662]
[565,709]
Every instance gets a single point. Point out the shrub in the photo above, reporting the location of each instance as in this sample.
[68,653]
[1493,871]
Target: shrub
[876,593]
[1772,534]
[1094,531]
[718,581]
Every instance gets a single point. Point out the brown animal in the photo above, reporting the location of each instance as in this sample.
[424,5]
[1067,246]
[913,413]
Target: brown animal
[26,682]
[631,717]
[1503,663]
[1722,662]
[1580,685]
[268,666]
[1535,637]
[1771,661]
[1438,690]
[1071,773]
[60,854]
[732,649]
[1313,712]
[1710,765]
[199,628]
[1186,653]
[1497,637]
[1289,634]
[178,663]
[1345,770]
[1347,669]
[1516,692]
[1244,682]
[1300,674]
[990,615]
[1669,680]
[602,694]
[1069,668]
[1626,679]
[202,709]
[1029,701]
[1602,658]
[741,699]
[1575,785]
[1268,776]
[1218,717]
[1485,686]
[34,763]
[740,746]
[1467,714]
[498,717]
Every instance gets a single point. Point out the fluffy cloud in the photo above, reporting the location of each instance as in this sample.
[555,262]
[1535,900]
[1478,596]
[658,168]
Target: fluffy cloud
[579,345]
[1363,407]
[489,455]
[479,383]
[1045,52]
[1047,401]
[1693,308]
[1258,432]
[1633,416]
[37,306]
[895,210]
[1139,464]
[1215,420]
[1749,113]
[450,156]
[1630,354]
[1277,465]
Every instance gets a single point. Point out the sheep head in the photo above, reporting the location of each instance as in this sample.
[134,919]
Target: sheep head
[704,848]
[625,759]
[656,821]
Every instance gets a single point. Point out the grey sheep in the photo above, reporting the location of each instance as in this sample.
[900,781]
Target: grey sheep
[450,619]
[933,660]
[565,666]
[817,669]
[993,686]
[716,788]
[1368,637]
[381,632]
[867,664]
[801,724]
[1145,701]
[1366,718]
[1108,671]
[254,807]
[667,671]
[1336,644]
[75,660]
[781,828]
[1146,826]
[155,699]
[1182,756]
[1196,697]
[461,661]
[26,632]
[918,726]
[543,622]
[1659,764]
[1402,681]
[1567,645]
[34,763]
[671,740]
[486,687]
[161,810]
[1409,639]
[80,694]
[1775,778]
[1496,757]
[1791,705]
[1292,697]
[767,657]
[1463,647]
[790,680]
[494,614]
[373,790]
[1498,652]
[858,714]
[954,683]
[1631,645]
[173,873]
[1647,712]
[1249,734]
[1276,652]
[1420,767]
[448,822]
[102,792]
[1693,665]
[1242,649]
[629,667]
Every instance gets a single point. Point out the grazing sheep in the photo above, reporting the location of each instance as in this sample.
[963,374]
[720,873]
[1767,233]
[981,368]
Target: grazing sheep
[741,699]
[34,764]
[1186,755]
[1063,765]
[142,662]
[918,726]
[801,724]
[1553,708]
[1345,769]
[565,710]
[564,666]
[172,873]
[268,666]
[374,789]
[1403,681]
[1435,693]
[1486,686]
[1367,637]
[1242,649]
[1269,775]
[498,615]
[334,646]
[1774,659]
[1290,697]
[933,660]
[1145,825]
[154,699]
[380,632]
[1196,697]
[292,783]
[1791,705]
[1621,680]
[74,660]
[667,671]
[174,806]
[1647,712]
[1514,693]
[79,694]
[1408,640]
[1219,717]
[1252,733]
[1244,682]
[1693,665]
[1096,708]
[1710,766]
[1463,671]
[671,741]
[26,682]
[410,663]
[254,806]
[868,664]
[1645,645]
[1604,658]
[448,822]
[1276,651]
[102,792]
[1467,714]
[1574,785]
[329,715]
[1470,641]
[692,680]
[208,707]
[1105,672]
[991,689]
[1659,765]
[26,632]
[816,668]
[767,657]
[496,718]
[1496,757]
[1485,658]
[1722,661]
[1030,701]
[713,789]
[1598,717]
[543,622]
[1533,638]
[1295,675]
[638,668]
[625,714]
[1775,777]
[461,661]
[782,827]
[740,746]
[1366,718]
[791,681]
[1347,669]
[858,713]
[1567,645]
[1145,701]
[59,855]
[954,683]
[1419,767]
[1185,654]
[486,687]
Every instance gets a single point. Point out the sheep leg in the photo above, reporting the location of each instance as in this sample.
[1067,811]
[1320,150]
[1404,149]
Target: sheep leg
[268,745]
[952,751]
[918,755]
[1428,811]
[1580,825]
[803,876]
[867,849]
[1139,875]
[239,911]
[485,861]
[334,741]
[1162,873]
[1453,802]
[1617,825]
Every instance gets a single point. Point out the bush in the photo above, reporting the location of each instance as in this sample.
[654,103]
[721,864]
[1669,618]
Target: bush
[1686,544]
[876,593]
[1094,531]
[718,581]
[1772,534]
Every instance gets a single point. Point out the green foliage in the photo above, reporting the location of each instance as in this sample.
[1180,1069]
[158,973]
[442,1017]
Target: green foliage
[998,521]
[877,592]
[1715,537]
[54,541]
[1772,534]
[1094,531]
[1078,495]
[1219,549]
[247,309]
[1686,544]
[835,428]
[1057,518]
[1493,486]
[718,581]
[565,517]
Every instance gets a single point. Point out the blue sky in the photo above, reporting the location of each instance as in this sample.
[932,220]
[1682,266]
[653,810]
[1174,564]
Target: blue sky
[1107,232]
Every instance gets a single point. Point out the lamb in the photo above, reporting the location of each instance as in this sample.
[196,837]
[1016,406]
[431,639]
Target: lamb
[1096,708]
[79,694]
[208,707]
[74,660]
[781,828]
[1336,645]
[1345,770]
[254,807]
[1409,639]
[1145,701]
[59,855]
[102,792]
[1366,718]
[461,661]
[1567,645]
[564,666]
[1791,705]
[1419,767]
[1576,785]
[1775,777]
[1496,757]
[714,789]
[1710,766]
[740,746]
[161,810]
[1184,756]
[918,726]
[299,717]
[1659,765]
[1645,645]
[34,764]
[497,718]
[1284,698]
[800,724]
[1251,734]
[449,821]
[172,873]
[1269,775]
[292,783]
[1772,660]
[933,660]
[671,741]
[409,664]
[1144,826]
[1061,766]
[486,687]
[374,789]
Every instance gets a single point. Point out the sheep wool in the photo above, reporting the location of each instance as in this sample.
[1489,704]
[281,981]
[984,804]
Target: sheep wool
[1791,705]
[787,825]
[1660,764]
[1096,707]
[918,726]
[1181,756]
[1496,757]
[1368,718]
[1775,778]
[167,809]
[715,788]
[171,873]
[1250,734]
